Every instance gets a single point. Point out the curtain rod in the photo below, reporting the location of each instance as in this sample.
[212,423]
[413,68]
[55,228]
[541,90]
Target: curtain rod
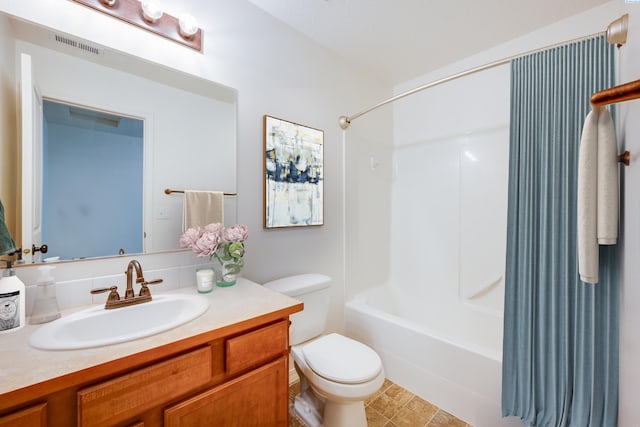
[615,32]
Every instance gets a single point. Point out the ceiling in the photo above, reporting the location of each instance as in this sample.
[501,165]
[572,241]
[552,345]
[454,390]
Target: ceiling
[397,40]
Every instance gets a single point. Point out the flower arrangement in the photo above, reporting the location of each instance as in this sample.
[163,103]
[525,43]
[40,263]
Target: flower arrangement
[214,241]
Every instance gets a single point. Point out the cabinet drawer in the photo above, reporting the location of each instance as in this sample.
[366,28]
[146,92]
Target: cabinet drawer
[254,348]
[258,398]
[126,396]
[32,416]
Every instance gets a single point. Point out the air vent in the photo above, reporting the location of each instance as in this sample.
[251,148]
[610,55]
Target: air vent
[76,44]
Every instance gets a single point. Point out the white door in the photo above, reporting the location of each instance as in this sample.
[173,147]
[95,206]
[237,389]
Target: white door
[31,127]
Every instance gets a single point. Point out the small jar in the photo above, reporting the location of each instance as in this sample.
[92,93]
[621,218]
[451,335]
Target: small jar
[205,280]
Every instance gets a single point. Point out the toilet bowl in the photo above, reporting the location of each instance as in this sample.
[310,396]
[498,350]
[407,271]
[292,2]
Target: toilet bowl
[337,374]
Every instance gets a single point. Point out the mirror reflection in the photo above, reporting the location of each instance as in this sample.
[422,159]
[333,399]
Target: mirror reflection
[187,140]
[106,150]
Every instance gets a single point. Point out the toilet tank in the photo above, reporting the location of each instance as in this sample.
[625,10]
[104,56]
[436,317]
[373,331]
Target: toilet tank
[313,291]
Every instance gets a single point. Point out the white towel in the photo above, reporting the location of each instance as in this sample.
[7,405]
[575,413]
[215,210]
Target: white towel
[587,200]
[202,208]
[607,211]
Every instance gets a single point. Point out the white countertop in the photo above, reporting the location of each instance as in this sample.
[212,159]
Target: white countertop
[22,365]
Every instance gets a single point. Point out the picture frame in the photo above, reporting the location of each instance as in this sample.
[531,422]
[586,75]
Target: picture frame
[293,174]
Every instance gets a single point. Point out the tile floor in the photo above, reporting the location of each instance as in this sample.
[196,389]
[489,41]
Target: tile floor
[394,406]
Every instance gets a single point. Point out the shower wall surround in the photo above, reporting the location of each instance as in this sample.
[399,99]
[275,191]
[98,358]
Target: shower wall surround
[450,185]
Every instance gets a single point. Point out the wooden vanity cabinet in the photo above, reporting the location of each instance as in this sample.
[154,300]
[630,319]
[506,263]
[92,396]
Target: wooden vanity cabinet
[237,379]
[33,416]
[258,398]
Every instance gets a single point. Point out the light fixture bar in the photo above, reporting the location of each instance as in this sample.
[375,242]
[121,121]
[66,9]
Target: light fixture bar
[130,11]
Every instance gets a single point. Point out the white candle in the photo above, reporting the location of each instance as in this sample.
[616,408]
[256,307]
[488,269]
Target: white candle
[205,280]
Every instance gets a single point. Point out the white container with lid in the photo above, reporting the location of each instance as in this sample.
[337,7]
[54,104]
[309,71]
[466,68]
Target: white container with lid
[12,301]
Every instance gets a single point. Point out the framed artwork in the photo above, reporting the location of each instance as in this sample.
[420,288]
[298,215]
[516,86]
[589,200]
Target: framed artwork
[293,174]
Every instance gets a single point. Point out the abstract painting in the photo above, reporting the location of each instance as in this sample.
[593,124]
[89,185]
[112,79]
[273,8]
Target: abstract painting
[293,174]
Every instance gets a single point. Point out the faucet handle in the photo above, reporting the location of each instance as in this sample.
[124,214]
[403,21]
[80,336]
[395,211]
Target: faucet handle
[144,290]
[113,293]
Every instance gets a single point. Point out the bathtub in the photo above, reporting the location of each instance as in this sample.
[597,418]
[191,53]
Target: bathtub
[457,368]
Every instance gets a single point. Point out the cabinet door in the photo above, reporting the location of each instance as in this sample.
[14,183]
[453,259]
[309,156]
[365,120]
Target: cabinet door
[256,399]
[254,348]
[32,416]
[125,397]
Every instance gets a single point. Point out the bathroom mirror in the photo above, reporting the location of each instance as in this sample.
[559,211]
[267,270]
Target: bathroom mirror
[189,136]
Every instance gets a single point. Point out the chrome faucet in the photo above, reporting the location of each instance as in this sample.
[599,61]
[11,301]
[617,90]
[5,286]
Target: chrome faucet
[130,298]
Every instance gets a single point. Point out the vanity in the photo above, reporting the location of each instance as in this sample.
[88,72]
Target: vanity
[228,367]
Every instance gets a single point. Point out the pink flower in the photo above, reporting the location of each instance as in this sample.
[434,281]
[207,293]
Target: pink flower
[189,237]
[236,233]
[206,241]
[207,244]
[215,227]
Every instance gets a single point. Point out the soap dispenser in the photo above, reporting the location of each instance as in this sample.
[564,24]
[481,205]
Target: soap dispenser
[12,301]
[45,307]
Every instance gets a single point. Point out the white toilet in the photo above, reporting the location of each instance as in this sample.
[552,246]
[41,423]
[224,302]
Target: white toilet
[336,373]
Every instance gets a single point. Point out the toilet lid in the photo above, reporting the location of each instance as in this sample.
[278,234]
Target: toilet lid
[341,359]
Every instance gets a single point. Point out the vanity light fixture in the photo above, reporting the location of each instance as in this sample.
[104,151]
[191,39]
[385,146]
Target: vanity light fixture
[188,26]
[148,15]
[151,11]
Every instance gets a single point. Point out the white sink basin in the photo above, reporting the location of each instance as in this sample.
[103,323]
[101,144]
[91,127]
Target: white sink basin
[95,326]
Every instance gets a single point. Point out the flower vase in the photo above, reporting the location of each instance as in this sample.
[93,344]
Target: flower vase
[228,271]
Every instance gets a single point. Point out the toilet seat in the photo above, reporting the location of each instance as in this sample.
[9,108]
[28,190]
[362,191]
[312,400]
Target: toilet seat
[341,359]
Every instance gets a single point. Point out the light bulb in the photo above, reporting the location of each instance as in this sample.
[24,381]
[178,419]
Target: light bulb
[188,25]
[151,11]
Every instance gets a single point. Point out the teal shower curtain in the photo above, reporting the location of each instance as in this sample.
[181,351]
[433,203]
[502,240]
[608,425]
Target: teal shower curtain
[560,350]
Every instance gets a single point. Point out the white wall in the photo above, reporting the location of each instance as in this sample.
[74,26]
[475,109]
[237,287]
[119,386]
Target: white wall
[276,72]
[629,130]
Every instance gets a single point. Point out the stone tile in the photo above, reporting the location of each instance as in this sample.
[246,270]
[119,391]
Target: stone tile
[375,418]
[386,405]
[399,394]
[408,418]
[422,407]
[445,419]
[393,406]
[385,385]
[295,421]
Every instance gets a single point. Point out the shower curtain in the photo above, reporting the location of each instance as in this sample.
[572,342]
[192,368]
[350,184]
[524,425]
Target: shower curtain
[560,350]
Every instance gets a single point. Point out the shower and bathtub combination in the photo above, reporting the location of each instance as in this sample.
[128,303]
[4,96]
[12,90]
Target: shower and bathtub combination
[436,315]
[437,322]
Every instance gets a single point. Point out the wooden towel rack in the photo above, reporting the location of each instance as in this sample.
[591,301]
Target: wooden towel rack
[169,191]
[620,93]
